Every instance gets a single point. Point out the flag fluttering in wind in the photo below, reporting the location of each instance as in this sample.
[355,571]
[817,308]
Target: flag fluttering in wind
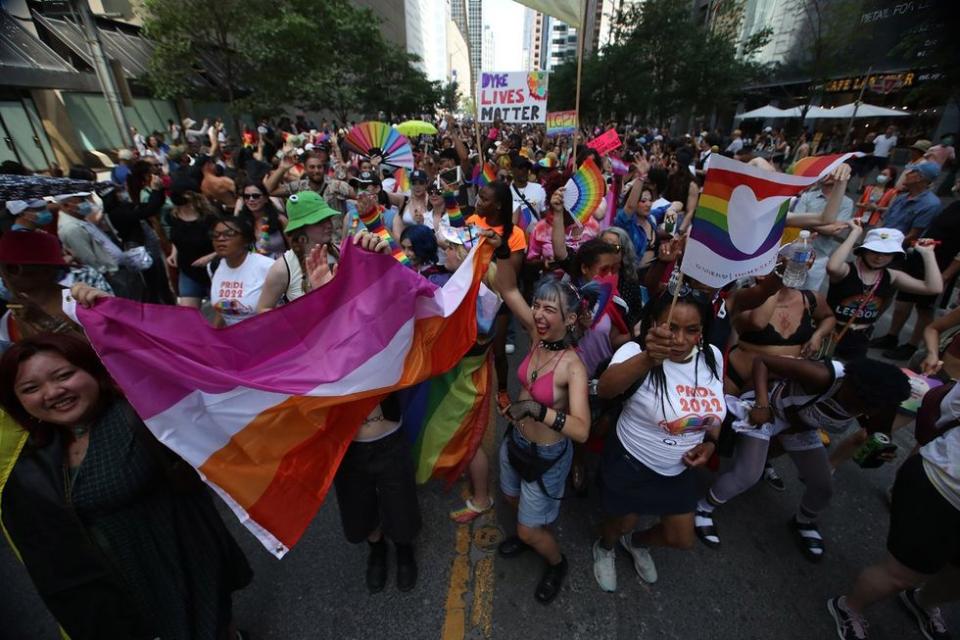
[266,409]
[741,215]
[567,10]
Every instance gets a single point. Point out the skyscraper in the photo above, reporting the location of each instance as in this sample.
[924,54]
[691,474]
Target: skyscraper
[458,13]
[475,41]
[488,48]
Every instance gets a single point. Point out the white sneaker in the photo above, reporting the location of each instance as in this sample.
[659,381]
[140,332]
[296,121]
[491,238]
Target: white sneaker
[642,560]
[605,567]
[509,349]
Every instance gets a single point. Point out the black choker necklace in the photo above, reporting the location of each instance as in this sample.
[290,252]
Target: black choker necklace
[557,345]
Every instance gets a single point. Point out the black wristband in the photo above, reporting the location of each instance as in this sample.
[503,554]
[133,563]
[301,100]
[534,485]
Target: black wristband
[559,421]
[543,413]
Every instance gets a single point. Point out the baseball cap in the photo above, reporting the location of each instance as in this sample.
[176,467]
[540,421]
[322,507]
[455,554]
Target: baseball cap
[367,177]
[306,208]
[31,247]
[921,145]
[929,170]
[125,154]
[883,241]
[419,176]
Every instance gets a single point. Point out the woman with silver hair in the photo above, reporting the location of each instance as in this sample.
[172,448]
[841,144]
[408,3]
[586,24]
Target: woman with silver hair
[632,292]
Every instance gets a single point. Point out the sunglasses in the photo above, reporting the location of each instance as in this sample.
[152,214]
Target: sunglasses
[225,235]
[252,196]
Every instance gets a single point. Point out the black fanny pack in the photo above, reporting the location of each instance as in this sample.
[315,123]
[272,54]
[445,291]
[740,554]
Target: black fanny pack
[527,463]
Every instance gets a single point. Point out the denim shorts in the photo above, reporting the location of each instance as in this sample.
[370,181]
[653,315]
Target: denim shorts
[537,509]
[190,288]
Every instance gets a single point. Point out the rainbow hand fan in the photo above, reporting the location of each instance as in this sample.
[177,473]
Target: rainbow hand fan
[373,221]
[452,207]
[485,174]
[584,191]
[378,139]
[401,181]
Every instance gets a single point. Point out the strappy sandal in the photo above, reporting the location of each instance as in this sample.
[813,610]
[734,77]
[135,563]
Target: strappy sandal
[705,529]
[808,537]
[469,512]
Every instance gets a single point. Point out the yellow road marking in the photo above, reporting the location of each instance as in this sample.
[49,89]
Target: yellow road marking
[485,537]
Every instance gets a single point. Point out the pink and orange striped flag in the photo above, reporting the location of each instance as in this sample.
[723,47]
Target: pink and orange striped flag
[266,409]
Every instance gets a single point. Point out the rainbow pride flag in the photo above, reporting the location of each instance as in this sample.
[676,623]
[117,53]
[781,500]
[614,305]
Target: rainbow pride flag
[741,216]
[266,409]
[484,174]
[373,221]
[446,416]
[401,181]
[452,207]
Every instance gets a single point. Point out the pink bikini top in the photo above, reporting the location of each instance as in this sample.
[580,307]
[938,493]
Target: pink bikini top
[541,388]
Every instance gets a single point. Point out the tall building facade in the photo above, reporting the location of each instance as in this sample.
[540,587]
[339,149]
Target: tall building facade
[560,43]
[475,32]
[487,59]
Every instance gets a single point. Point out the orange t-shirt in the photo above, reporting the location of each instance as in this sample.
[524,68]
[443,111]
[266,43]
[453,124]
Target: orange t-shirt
[517,241]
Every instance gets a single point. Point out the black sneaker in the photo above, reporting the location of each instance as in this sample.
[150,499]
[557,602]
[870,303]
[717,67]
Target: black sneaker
[930,621]
[512,547]
[902,352]
[406,567]
[551,582]
[377,566]
[773,478]
[850,626]
[886,342]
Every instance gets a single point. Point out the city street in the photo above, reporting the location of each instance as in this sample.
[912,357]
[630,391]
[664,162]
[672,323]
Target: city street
[757,586]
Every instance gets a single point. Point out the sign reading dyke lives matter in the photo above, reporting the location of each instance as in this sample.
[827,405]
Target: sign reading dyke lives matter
[514,97]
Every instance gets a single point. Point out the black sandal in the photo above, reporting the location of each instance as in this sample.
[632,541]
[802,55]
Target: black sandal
[808,537]
[705,529]
[551,582]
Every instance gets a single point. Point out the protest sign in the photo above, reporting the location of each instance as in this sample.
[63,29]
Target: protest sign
[605,142]
[514,97]
[561,123]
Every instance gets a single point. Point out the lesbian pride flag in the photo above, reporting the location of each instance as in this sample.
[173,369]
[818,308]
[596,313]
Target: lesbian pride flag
[741,216]
[265,409]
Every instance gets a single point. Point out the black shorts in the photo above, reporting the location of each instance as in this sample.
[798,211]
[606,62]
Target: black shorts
[376,487]
[924,528]
[921,301]
[629,486]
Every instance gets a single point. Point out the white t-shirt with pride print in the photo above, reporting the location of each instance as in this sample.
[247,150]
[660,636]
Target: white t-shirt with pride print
[658,435]
[235,292]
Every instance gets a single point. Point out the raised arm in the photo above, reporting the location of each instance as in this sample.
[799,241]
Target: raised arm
[558,234]
[837,267]
[807,220]
[273,182]
[506,283]
[932,283]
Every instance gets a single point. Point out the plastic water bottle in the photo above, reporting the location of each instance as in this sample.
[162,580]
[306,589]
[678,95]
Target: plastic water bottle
[799,255]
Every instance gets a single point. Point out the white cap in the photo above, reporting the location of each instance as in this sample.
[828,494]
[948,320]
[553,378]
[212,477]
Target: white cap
[125,154]
[805,234]
[66,196]
[883,241]
[16,207]
[767,129]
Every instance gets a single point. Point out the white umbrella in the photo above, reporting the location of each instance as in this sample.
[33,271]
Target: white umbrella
[764,112]
[851,110]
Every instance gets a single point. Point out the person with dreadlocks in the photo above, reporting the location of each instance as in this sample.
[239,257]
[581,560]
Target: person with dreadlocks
[673,388]
[791,400]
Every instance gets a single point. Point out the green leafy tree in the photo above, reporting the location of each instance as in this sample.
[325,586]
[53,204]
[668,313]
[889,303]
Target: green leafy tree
[450,97]
[314,54]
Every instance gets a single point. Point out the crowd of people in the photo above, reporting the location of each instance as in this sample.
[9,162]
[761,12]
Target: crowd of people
[663,373]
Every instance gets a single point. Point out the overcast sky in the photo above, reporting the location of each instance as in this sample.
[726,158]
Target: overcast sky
[505,17]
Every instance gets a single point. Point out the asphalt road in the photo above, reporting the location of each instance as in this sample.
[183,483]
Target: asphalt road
[758,586]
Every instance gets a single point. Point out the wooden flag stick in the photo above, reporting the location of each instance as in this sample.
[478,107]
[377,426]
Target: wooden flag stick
[581,39]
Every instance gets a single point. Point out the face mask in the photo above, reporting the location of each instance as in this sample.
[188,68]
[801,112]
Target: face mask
[882,179]
[44,218]
[85,208]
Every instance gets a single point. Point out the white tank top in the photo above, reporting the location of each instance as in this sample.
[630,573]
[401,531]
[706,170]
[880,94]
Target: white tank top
[295,273]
